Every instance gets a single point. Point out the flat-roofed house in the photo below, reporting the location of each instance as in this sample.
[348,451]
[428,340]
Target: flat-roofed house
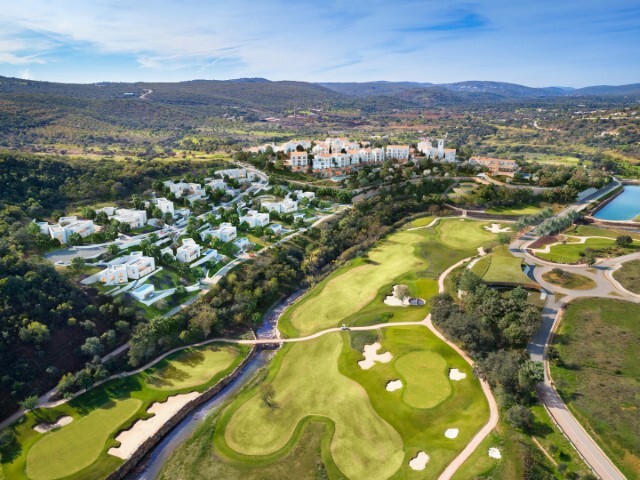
[188,251]
[135,218]
[399,152]
[496,166]
[113,275]
[165,206]
[139,265]
[255,219]
[297,161]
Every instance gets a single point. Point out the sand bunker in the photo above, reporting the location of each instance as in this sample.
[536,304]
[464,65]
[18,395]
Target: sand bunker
[451,433]
[130,440]
[400,298]
[61,422]
[371,356]
[497,228]
[494,453]
[394,385]
[419,461]
[456,375]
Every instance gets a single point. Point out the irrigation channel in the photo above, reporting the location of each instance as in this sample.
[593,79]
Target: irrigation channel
[152,463]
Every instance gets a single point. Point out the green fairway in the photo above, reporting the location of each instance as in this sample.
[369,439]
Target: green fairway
[425,376]
[599,374]
[79,449]
[78,445]
[516,210]
[189,368]
[364,445]
[500,266]
[461,235]
[569,280]
[571,252]
[629,275]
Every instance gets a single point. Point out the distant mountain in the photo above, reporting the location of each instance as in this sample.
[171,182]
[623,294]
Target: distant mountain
[502,89]
[367,89]
[608,90]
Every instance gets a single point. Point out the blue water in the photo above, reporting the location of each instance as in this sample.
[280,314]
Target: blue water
[625,206]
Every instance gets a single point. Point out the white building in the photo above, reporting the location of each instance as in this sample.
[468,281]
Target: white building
[276,228]
[439,153]
[177,188]
[143,292]
[297,161]
[165,206]
[242,243]
[240,174]
[255,219]
[67,226]
[114,275]
[399,152]
[167,251]
[285,206]
[308,195]
[217,184]
[135,218]
[188,251]
[225,232]
[139,265]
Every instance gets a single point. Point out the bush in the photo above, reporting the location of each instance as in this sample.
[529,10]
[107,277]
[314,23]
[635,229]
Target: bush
[520,417]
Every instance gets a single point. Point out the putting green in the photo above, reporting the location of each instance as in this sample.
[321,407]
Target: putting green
[349,290]
[425,377]
[190,368]
[77,445]
[462,235]
[501,266]
[308,383]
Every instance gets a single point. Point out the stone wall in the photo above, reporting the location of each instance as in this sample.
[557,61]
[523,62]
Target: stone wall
[152,441]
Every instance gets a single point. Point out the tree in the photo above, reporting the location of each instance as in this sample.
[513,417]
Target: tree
[74,239]
[29,404]
[520,417]
[624,240]
[6,437]
[77,264]
[92,347]
[469,281]
[504,238]
[35,332]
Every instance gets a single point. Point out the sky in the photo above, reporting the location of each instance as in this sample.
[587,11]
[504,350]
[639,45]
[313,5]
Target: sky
[538,43]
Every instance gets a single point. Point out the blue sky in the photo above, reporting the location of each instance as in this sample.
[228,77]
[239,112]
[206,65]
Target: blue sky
[537,43]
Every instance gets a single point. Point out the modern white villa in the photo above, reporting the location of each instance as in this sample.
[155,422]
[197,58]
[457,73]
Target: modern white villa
[255,219]
[135,218]
[188,251]
[165,206]
[130,267]
[66,227]
[285,206]
[114,275]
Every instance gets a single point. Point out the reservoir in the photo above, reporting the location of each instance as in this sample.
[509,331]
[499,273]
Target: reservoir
[625,206]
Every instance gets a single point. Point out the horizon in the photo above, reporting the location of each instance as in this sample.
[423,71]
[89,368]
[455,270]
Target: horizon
[571,44]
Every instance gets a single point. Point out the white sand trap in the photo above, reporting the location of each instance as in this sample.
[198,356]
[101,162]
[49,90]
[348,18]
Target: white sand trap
[397,299]
[494,453]
[130,440]
[497,228]
[394,385]
[456,375]
[371,356]
[451,433]
[419,461]
[61,422]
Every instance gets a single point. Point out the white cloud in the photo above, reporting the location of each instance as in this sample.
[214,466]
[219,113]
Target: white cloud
[26,74]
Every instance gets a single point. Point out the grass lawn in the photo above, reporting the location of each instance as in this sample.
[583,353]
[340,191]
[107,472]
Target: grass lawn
[500,266]
[569,280]
[599,375]
[571,252]
[593,231]
[413,368]
[79,449]
[516,210]
[629,275]
[418,222]
[376,432]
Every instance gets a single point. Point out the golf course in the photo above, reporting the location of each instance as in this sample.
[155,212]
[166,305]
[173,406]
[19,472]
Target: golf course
[322,392]
[80,448]
[500,266]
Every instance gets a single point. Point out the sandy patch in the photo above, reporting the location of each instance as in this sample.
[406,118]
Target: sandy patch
[371,356]
[456,375]
[61,422]
[396,299]
[419,461]
[497,228]
[130,440]
[494,453]
[394,385]
[451,433]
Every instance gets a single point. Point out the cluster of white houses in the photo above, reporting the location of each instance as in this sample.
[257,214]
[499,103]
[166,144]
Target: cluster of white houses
[66,227]
[126,268]
[339,156]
